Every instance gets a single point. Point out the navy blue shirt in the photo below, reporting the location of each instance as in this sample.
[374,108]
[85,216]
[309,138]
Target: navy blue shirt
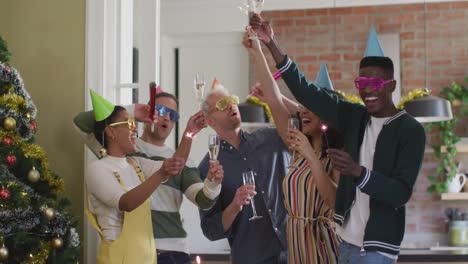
[258,241]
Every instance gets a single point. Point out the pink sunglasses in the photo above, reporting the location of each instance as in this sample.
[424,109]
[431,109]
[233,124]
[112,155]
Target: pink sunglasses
[375,83]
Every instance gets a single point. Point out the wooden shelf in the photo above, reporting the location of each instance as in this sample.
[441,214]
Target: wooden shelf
[455,196]
[462,146]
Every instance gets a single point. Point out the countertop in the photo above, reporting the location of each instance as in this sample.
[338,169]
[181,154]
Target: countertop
[428,255]
[406,255]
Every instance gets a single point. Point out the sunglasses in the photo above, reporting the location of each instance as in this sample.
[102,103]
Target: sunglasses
[130,123]
[226,101]
[376,84]
[163,110]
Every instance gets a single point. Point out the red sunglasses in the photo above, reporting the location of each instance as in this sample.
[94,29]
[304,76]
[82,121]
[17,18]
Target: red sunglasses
[375,83]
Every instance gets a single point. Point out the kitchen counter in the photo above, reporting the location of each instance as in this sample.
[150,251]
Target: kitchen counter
[406,256]
[427,255]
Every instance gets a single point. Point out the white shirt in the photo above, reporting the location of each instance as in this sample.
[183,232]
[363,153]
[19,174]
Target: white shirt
[352,231]
[104,190]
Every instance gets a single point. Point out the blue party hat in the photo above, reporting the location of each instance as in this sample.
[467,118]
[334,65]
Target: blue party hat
[323,79]
[373,45]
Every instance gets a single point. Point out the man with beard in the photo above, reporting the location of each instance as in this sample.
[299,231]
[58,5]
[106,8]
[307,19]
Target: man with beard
[263,152]
[169,234]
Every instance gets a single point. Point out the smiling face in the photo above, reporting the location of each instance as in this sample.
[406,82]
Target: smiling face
[378,101]
[121,135]
[310,122]
[227,119]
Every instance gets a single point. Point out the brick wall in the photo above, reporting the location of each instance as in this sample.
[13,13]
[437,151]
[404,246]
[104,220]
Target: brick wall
[308,36]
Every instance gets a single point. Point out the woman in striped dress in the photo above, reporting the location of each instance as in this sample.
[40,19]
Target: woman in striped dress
[309,194]
[310,188]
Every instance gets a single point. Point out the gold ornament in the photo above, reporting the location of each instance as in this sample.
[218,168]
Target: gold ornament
[57,243]
[103,152]
[34,151]
[9,123]
[4,254]
[28,115]
[49,213]
[33,175]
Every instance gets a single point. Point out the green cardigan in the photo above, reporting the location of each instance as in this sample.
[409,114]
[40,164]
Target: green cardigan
[398,156]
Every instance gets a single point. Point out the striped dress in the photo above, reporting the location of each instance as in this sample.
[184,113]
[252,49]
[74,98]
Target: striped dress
[310,232]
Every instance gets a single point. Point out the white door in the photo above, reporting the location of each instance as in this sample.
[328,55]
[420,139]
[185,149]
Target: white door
[216,55]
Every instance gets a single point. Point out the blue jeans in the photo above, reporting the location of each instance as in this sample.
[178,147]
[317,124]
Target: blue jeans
[173,257]
[352,254]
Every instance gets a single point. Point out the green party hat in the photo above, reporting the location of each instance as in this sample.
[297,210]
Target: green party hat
[101,107]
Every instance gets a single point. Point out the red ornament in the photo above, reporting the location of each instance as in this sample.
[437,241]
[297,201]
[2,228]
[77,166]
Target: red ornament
[7,68]
[11,160]
[8,141]
[4,194]
[33,125]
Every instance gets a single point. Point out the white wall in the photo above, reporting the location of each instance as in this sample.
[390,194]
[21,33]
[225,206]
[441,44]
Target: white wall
[191,17]
[213,47]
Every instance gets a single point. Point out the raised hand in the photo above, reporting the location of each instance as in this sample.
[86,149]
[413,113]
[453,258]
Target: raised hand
[215,172]
[171,167]
[263,28]
[257,91]
[142,113]
[297,141]
[195,124]
[252,45]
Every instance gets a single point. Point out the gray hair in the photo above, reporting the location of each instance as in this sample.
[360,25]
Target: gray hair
[218,89]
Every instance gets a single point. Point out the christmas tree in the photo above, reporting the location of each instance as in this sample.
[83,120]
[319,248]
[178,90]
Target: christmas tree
[34,224]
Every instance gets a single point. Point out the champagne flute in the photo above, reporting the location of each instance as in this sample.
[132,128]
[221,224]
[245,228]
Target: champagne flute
[199,85]
[213,147]
[248,178]
[293,124]
[250,7]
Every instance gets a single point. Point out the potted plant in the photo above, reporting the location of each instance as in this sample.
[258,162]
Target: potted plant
[444,137]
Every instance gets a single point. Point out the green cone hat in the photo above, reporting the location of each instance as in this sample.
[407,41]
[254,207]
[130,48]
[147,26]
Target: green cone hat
[101,107]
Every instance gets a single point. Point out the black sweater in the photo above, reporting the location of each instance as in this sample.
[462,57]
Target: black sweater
[398,156]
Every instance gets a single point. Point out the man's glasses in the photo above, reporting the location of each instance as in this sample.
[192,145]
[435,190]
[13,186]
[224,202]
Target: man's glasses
[226,101]
[375,84]
[163,110]
[130,123]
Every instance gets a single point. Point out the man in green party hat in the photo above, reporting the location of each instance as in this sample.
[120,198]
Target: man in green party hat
[383,152]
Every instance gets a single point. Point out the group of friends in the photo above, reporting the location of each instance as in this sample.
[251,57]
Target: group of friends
[342,200]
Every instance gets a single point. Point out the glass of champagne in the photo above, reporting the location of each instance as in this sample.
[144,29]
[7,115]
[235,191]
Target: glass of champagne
[199,85]
[293,124]
[248,178]
[213,146]
[250,7]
